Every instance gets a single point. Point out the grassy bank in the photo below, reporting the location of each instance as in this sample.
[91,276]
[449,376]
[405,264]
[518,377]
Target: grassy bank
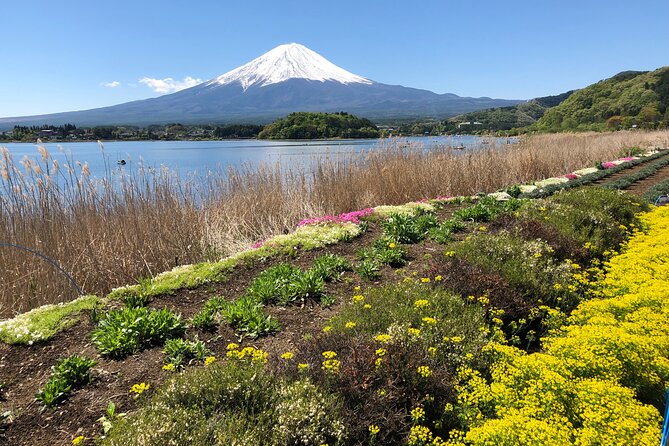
[113,231]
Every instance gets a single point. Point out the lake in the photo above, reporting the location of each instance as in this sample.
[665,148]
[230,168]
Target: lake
[200,157]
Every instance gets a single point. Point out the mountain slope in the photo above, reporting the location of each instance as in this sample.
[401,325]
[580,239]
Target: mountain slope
[507,118]
[630,98]
[286,79]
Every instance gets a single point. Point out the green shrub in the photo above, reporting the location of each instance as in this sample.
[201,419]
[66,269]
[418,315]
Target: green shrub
[179,352]
[68,374]
[484,210]
[441,234]
[206,319]
[597,218]
[384,251]
[330,267]
[122,332]
[135,300]
[403,228]
[621,206]
[247,317]
[283,284]
[396,347]
[368,270]
[233,403]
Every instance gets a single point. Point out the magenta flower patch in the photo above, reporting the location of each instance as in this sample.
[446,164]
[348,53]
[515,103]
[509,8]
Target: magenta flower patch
[349,217]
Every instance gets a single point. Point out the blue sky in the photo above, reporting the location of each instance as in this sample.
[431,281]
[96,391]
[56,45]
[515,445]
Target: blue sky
[74,55]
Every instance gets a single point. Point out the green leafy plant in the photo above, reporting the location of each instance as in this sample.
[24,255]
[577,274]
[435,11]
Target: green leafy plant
[330,267]
[403,228]
[307,285]
[246,315]
[206,318]
[486,209]
[384,251]
[110,418]
[179,352]
[68,374]
[284,284]
[129,330]
[273,284]
[135,300]
[368,270]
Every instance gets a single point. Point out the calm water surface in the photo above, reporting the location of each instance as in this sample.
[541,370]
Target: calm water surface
[200,157]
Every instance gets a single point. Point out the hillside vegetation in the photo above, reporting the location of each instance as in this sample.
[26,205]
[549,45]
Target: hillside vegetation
[630,98]
[506,118]
[307,125]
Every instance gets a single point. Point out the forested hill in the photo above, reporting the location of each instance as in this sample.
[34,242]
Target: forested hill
[307,125]
[628,99]
[507,118]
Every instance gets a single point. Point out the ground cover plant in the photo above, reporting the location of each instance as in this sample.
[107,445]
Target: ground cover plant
[128,330]
[236,402]
[180,352]
[68,374]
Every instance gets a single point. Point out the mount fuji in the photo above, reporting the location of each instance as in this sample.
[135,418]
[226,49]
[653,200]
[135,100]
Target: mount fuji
[286,79]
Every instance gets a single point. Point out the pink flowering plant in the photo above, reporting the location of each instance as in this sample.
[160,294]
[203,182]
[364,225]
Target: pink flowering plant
[349,217]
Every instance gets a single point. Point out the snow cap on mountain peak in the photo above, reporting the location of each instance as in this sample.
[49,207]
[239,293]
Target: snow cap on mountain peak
[289,61]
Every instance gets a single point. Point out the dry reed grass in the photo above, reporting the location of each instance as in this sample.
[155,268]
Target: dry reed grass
[111,231]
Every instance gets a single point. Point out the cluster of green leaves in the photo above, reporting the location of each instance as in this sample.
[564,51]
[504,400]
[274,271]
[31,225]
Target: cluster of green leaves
[284,284]
[384,251]
[485,209]
[68,374]
[627,99]
[180,352]
[235,402]
[110,417]
[403,228]
[308,125]
[247,316]
[206,318]
[121,332]
[330,267]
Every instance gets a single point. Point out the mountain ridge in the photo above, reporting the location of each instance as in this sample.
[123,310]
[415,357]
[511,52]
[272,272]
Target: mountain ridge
[289,78]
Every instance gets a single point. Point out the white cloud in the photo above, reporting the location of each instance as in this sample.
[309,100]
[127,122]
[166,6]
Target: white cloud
[112,84]
[169,85]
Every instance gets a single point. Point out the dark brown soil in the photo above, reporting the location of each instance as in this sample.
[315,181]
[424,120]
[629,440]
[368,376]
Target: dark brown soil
[625,172]
[25,369]
[642,186]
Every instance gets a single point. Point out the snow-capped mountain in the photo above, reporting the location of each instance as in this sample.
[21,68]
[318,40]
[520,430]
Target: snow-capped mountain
[291,61]
[287,79]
